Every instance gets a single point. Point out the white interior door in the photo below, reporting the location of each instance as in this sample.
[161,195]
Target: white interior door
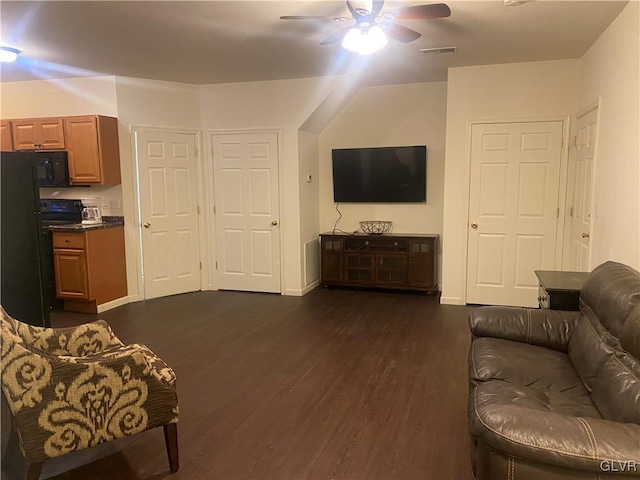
[247,211]
[513,210]
[168,212]
[581,171]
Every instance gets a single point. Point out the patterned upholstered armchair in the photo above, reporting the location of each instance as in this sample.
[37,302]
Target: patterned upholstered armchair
[73,388]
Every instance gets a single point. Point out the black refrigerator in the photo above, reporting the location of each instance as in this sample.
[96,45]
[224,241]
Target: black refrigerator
[22,241]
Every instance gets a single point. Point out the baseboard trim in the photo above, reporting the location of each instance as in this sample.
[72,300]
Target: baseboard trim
[313,285]
[297,292]
[118,302]
[451,301]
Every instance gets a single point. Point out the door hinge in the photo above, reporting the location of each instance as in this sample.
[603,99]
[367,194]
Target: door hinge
[196,151]
[571,212]
[216,265]
[200,265]
[561,142]
[212,153]
[214,209]
[198,209]
[575,141]
[558,213]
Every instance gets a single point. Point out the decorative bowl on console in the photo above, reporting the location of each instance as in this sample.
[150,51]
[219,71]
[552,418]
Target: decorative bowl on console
[376,227]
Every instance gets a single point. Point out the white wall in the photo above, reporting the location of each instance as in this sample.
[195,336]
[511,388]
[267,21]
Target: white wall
[609,71]
[283,105]
[410,114]
[492,92]
[308,148]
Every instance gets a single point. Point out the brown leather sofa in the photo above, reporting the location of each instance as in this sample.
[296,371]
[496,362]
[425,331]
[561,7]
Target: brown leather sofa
[556,395]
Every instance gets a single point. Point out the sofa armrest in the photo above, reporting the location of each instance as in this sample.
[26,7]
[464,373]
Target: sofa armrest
[587,444]
[542,327]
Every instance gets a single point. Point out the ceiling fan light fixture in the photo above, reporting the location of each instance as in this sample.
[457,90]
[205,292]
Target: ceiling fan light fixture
[8,54]
[365,41]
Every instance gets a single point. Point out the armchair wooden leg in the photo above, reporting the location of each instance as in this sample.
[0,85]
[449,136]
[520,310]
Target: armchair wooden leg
[33,471]
[171,440]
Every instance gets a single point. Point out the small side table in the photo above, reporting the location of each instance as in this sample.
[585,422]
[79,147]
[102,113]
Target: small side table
[560,290]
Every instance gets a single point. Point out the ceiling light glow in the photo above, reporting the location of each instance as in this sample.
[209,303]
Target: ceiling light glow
[365,40]
[8,54]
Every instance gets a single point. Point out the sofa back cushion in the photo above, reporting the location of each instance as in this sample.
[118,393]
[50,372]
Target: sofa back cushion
[616,389]
[630,336]
[610,293]
[590,348]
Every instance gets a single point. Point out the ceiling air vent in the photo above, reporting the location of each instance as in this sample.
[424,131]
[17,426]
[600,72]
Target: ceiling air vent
[439,50]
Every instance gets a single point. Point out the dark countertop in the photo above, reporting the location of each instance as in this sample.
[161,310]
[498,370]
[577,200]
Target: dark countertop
[558,280]
[107,222]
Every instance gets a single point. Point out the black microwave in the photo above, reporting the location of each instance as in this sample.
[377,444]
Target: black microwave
[51,169]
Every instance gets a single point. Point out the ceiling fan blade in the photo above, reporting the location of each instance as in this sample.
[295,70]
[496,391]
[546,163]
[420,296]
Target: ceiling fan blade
[419,12]
[310,17]
[352,10]
[336,37]
[376,7]
[402,34]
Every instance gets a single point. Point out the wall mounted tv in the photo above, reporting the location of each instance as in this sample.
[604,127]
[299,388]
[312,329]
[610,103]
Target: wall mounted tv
[380,175]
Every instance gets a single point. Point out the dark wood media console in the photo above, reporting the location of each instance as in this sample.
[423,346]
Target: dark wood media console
[406,262]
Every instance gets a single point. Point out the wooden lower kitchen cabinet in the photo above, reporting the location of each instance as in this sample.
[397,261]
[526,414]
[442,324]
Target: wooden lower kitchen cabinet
[90,267]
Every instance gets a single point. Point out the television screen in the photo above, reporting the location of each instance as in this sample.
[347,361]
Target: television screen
[381,175]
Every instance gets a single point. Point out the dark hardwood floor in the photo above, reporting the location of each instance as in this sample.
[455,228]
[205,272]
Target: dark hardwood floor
[337,384]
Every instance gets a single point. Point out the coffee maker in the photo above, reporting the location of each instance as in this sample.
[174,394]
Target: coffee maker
[91,211]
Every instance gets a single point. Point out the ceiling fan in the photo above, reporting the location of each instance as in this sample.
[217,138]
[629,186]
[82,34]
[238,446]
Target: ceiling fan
[372,26]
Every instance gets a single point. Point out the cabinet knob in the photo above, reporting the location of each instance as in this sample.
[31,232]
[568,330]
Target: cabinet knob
[585,235]
[274,222]
[146,225]
[474,225]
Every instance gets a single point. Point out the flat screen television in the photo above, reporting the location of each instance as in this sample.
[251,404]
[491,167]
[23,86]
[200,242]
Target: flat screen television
[380,175]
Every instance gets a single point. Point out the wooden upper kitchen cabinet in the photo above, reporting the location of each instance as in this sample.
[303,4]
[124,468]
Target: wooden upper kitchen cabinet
[90,267]
[94,153]
[38,134]
[7,139]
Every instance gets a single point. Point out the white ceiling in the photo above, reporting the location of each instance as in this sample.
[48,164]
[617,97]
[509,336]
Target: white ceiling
[205,42]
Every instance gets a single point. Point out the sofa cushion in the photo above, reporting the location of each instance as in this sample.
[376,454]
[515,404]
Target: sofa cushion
[533,399]
[563,430]
[610,293]
[616,389]
[524,365]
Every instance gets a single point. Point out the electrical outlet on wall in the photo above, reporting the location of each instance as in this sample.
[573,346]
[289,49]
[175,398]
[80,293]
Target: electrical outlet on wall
[104,204]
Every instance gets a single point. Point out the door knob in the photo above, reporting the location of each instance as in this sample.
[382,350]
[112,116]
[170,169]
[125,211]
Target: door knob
[147,225]
[274,222]
[585,235]
[474,225]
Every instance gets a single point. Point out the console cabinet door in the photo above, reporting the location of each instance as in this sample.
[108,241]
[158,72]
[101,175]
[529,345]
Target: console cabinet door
[331,259]
[360,268]
[391,269]
[422,268]
[71,273]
